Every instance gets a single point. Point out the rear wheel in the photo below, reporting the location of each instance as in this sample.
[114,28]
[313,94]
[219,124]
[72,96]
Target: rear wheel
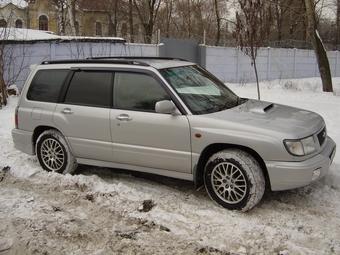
[234,179]
[54,154]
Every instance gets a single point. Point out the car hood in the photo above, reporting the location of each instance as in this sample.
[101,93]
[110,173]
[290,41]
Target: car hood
[274,117]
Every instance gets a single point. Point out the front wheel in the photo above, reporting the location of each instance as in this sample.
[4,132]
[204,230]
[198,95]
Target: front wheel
[53,153]
[234,179]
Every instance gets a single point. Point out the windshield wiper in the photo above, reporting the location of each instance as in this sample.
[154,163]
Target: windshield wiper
[226,106]
[241,100]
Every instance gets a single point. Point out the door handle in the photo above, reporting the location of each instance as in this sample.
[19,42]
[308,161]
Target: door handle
[67,111]
[124,117]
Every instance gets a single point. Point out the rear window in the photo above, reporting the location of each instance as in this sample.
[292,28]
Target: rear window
[46,85]
[90,88]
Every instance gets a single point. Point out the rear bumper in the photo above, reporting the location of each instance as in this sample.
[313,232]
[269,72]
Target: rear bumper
[23,141]
[290,175]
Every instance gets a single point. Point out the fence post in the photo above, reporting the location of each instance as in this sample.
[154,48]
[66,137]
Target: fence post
[161,50]
[316,68]
[204,34]
[52,50]
[158,36]
[336,63]
[238,57]
[269,61]
[202,55]
[294,64]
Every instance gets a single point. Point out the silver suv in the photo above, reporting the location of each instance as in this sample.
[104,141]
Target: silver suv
[168,117]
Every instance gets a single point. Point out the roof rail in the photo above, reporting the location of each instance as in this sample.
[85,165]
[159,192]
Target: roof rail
[139,57]
[96,61]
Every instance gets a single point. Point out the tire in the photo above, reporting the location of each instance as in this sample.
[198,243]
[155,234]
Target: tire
[234,179]
[54,154]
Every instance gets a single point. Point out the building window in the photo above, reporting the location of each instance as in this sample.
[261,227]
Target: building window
[43,23]
[3,23]
[18,23]
[98,29]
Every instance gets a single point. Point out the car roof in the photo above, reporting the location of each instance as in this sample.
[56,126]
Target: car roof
[164,62]
[156,62]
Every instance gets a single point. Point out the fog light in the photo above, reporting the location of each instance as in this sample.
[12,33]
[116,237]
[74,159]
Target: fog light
[316,174]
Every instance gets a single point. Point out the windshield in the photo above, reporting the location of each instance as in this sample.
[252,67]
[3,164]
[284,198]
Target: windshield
[200,90]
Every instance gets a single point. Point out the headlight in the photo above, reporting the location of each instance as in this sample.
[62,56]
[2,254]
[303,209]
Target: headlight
[301,147]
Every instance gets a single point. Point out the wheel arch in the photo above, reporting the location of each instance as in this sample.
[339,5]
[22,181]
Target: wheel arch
[214,148]
[39,130]
[68,162]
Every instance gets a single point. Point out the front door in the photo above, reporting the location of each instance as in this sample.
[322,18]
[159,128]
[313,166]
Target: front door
[142,137]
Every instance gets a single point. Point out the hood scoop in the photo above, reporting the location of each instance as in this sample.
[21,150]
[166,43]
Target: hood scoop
[264,108]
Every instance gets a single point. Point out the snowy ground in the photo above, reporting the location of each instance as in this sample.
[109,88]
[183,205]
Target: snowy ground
[95,211]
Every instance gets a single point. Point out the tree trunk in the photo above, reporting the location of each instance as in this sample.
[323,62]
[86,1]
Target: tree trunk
[338,22]
[131,21]
[257,79]
[218,18]
[320,52]
[71,13]
[61,18]
[2,84]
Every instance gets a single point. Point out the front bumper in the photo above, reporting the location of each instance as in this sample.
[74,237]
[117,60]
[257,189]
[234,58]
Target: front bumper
[290,175]
[23,141]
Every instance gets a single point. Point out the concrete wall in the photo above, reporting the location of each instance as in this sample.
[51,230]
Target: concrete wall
[228,64]
[19,57]
[232,65]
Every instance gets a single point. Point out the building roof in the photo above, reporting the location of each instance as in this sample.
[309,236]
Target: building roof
[19,3]
[88,5]
[103,5]
[31,35]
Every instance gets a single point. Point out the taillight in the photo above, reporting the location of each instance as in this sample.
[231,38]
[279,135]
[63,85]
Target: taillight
[16,119]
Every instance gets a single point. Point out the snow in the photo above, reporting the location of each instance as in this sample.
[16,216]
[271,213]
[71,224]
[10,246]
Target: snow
[95,210]
[19,3]
[23,34]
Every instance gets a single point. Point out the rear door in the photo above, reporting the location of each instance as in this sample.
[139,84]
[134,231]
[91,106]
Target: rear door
[84,115]
[142,137]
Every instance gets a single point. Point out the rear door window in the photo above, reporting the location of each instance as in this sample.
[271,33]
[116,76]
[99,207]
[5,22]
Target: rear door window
[90,88]
[46,85]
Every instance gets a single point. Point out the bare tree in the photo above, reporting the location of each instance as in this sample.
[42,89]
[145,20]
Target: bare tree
[14,59]
[131,20]
[289,20]
[191,17]
[72,16]
[164,21]
[252,28]
[3,93]
[338,22]
[147,12]
[61,16]
[319,49]
[218,19]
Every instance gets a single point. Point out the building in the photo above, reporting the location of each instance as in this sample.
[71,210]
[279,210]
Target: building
[104,18]
[13,15]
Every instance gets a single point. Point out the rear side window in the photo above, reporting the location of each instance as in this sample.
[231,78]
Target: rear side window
[91,88]
[46,85]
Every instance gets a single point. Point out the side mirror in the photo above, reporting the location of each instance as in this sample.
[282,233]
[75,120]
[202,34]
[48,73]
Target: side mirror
[165,106]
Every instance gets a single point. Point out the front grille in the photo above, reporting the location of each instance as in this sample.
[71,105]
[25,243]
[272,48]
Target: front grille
[322,136]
